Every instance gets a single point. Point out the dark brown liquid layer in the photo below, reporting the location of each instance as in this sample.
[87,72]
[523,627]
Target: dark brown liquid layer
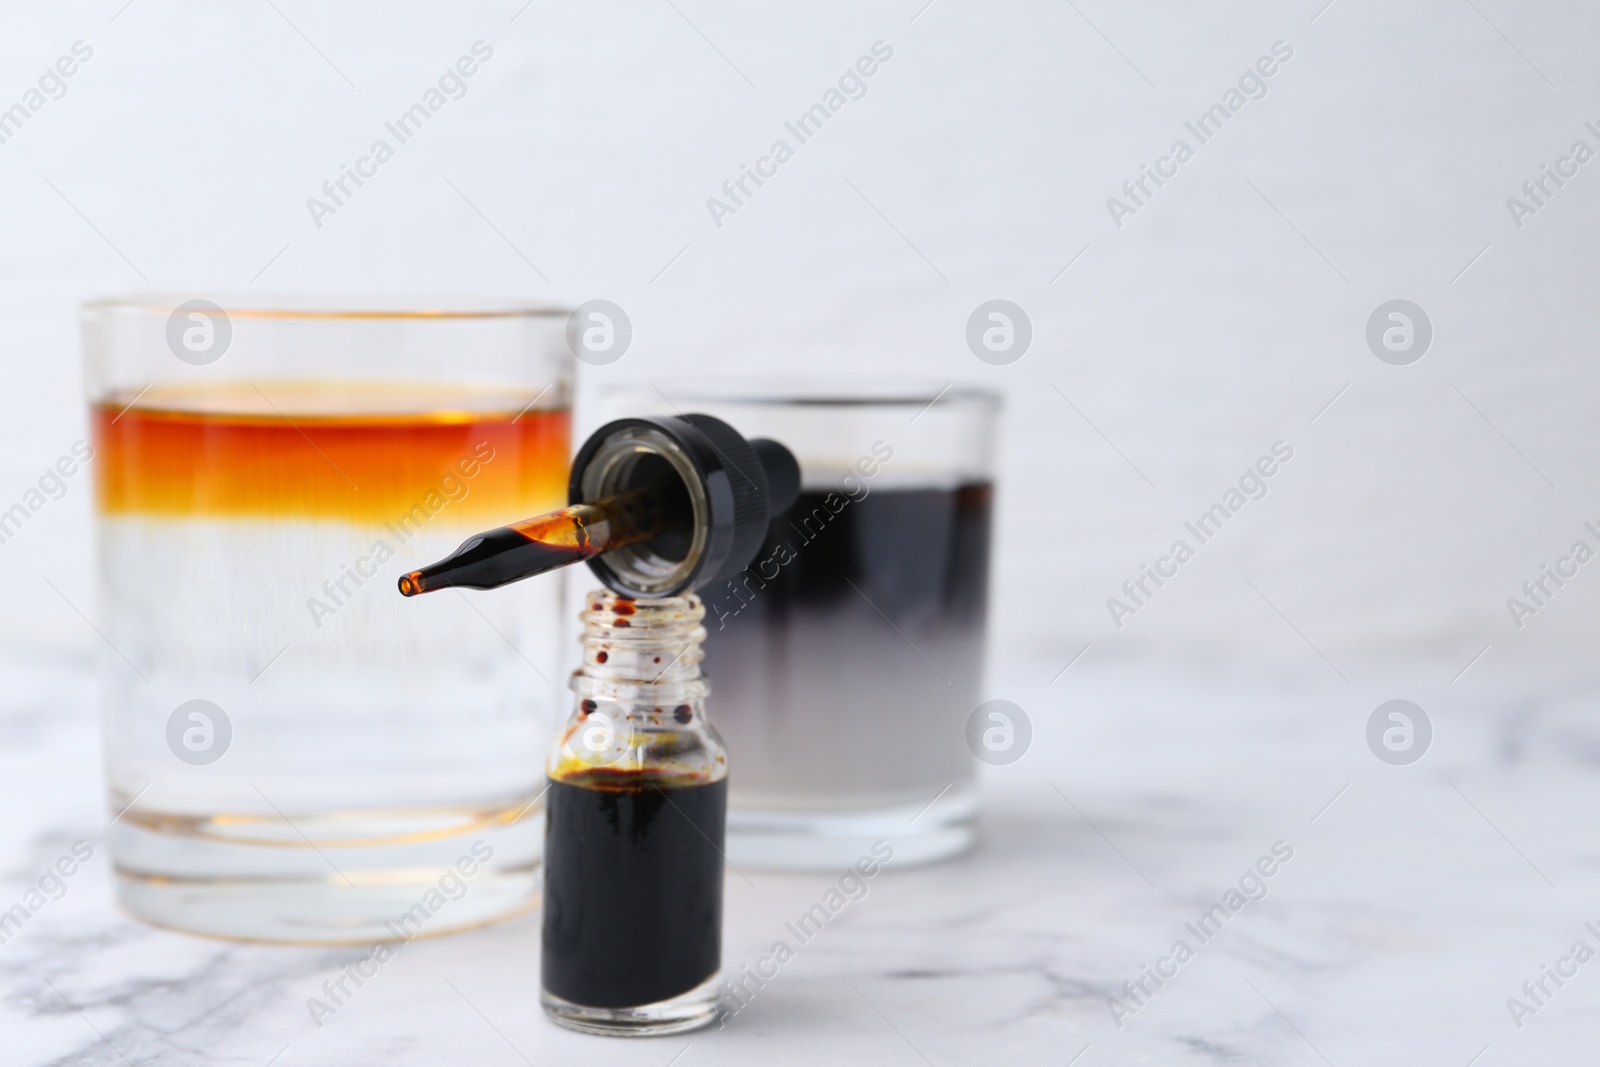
[847,658]
[633,887]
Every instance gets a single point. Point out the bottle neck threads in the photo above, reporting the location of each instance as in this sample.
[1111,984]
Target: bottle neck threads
[641,650]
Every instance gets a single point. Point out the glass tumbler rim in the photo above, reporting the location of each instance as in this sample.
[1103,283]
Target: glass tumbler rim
[326,307]
[823,391]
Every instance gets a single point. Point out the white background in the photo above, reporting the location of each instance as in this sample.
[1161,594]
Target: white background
[1223,317]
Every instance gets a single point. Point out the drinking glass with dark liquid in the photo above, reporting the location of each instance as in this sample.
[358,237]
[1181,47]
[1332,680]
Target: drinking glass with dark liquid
[292,753]
[849,654]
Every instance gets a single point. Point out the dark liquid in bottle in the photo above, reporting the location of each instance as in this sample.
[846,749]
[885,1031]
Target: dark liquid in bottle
[849,655]
[633,887]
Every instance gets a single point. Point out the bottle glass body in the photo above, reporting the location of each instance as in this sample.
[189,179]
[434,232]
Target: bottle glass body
[635,809]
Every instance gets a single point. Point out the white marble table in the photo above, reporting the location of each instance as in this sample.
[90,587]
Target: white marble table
[1417,901]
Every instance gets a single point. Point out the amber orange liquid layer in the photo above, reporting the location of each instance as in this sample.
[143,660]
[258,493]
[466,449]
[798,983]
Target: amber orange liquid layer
[294,458]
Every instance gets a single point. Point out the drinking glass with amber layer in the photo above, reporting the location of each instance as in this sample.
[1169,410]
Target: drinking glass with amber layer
[292,750]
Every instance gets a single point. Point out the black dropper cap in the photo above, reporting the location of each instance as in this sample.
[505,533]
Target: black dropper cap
[734,487]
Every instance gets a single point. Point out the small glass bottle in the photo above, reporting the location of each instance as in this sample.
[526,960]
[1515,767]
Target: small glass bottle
[635,812]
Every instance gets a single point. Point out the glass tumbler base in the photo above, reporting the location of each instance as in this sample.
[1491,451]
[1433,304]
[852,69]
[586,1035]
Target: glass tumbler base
[793,839]
[328,895]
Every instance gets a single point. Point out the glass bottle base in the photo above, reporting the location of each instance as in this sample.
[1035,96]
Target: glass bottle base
[684,1012]
[794,839]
